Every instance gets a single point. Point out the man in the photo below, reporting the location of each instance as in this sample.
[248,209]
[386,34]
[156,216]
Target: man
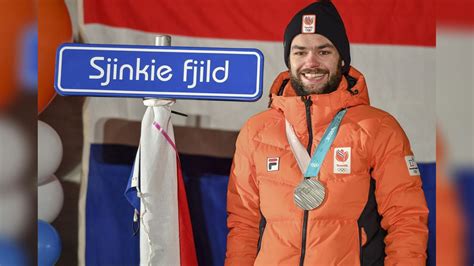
[360,202]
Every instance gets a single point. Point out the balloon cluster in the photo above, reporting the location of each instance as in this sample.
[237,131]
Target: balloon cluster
[15,210]
[15,203]
[36,73]
[50,193]
[15,207]
[55,28]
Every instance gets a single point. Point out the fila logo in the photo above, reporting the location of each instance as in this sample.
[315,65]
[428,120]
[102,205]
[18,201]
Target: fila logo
[273,164]
[342,160]
[308,24]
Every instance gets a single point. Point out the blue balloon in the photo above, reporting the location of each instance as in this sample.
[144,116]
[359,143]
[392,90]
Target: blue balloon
[11,253]
[49,244]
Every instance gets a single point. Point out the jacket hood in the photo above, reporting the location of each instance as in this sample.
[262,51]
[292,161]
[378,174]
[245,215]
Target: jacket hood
[352,91]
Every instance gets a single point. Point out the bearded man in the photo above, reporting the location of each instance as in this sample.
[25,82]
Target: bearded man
[321,177]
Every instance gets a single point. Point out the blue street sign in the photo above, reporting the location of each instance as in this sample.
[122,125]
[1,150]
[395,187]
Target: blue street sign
[159,72]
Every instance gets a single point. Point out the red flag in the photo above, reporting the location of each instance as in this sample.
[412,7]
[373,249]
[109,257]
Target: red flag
[186,239]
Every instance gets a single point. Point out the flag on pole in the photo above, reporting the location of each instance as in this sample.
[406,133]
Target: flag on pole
[166,236]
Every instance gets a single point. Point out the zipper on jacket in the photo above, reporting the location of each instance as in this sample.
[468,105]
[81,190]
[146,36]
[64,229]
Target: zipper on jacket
[307,103]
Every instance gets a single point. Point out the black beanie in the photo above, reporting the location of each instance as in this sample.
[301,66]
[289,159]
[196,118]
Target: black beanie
[321,18]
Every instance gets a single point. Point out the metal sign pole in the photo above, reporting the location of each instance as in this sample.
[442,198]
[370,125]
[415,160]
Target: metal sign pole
[159,234]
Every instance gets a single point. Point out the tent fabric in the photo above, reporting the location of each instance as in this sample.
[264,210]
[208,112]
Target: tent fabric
[110,229]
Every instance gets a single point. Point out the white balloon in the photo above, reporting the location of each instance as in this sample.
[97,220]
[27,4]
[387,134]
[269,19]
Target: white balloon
[50,151]
[50,199]
[15,213]
[13,152]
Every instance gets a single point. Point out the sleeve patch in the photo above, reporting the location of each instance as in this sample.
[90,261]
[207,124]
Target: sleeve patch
[411,165]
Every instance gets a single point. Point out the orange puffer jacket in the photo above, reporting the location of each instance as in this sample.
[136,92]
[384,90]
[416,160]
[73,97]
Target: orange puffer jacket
[374,212]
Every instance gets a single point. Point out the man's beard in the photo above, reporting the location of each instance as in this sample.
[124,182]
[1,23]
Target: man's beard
[330,86]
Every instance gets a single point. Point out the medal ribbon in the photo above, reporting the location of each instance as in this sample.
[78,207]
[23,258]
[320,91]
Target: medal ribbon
[314,165]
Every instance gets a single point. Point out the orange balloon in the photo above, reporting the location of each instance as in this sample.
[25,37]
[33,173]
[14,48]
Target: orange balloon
[15,16]
[54,28]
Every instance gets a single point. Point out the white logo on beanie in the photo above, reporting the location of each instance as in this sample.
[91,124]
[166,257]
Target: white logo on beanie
[308,24]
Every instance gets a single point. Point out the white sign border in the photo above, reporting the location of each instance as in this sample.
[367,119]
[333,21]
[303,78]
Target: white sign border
[129,49]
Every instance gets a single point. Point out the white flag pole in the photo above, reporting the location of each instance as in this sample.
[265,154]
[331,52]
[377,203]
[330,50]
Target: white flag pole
[158,190]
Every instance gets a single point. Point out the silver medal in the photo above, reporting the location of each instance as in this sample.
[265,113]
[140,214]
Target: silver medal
[309,194]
